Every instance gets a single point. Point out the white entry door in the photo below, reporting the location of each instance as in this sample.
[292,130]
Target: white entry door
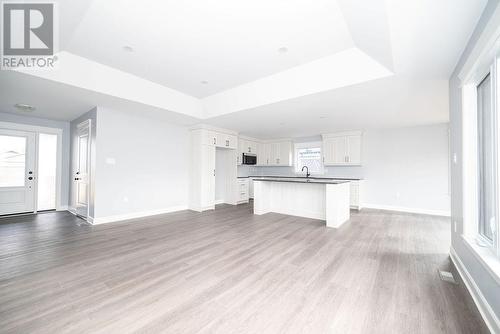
[17,171]
[82,168]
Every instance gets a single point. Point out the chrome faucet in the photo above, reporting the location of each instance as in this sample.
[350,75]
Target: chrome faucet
[307,169]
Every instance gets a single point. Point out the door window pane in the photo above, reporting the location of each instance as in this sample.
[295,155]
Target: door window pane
[12,161]
[47,159]
[486,154]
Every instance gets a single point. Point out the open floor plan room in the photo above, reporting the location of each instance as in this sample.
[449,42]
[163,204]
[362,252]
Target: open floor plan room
[264,166]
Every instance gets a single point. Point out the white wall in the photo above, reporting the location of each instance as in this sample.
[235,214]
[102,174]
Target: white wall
[404,169]
[407,168]
[150,169]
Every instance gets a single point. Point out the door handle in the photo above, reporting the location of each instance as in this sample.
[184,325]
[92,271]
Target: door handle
[30,178]
[77,178]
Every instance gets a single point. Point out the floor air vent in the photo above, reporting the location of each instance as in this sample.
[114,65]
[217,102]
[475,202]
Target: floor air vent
[447,276]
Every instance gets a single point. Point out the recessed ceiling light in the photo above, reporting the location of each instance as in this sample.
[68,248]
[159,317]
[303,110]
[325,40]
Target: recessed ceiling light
[204,82]
[283,49]
[128,48]
[322,117]
[281,124]
[24,107]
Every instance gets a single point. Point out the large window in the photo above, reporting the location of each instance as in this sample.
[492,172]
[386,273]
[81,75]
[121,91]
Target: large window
[486,120]
[309,154]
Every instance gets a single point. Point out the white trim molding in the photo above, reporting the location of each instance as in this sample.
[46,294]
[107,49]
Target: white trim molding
[442,213]
[482,304]
[128,216]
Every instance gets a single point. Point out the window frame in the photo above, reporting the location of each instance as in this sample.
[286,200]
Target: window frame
[470,162]
[306,145]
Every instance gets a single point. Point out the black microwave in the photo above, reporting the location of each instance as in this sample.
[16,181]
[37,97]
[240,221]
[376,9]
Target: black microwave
[249,159]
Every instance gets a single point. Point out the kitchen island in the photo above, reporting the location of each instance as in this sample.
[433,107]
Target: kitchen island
[324,199]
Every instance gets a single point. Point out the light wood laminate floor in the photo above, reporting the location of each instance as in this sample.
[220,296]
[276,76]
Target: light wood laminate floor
[228,271]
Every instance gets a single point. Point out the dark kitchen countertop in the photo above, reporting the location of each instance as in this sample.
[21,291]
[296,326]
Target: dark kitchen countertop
[301,180]
[299,177]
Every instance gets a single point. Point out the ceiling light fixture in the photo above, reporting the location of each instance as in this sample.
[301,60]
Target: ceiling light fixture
[283,49]
[24,107]
[204,82]
[128,48]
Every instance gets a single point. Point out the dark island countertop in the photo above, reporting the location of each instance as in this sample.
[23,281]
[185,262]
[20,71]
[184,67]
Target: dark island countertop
[255,177]
[301,180]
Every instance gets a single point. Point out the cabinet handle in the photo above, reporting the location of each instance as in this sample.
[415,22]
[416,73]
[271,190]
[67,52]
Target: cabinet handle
[267,161]
[214,172]
[249,150]
[215,141]
[227,142]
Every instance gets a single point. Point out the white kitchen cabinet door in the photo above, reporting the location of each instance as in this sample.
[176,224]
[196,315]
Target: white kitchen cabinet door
[210,137]
[264,154]
[354,150]
[230,141]
[220,139]
[285,154]
[208,176]
[335,151]
[253,147]
[274,154]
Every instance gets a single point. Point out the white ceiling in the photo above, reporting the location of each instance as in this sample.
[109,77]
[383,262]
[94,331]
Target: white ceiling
[225,42]
[383,103]
[233,44]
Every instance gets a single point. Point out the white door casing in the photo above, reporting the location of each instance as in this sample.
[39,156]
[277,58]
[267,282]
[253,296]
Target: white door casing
[17,166]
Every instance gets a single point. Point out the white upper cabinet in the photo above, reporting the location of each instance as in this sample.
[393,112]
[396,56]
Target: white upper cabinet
[220,139]
[285,154]
[342,149]
[275,154]
[264,154]
[354,150]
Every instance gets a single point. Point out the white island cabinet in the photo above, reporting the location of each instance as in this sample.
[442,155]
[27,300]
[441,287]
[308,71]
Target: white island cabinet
[314,198]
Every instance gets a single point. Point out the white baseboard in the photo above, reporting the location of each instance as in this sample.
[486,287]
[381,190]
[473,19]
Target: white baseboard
[219,201]
[116,218]
[62,208]
[408,210]
[482,304]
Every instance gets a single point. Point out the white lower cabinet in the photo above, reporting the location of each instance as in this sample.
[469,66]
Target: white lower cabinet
[243,191]
[356,189]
